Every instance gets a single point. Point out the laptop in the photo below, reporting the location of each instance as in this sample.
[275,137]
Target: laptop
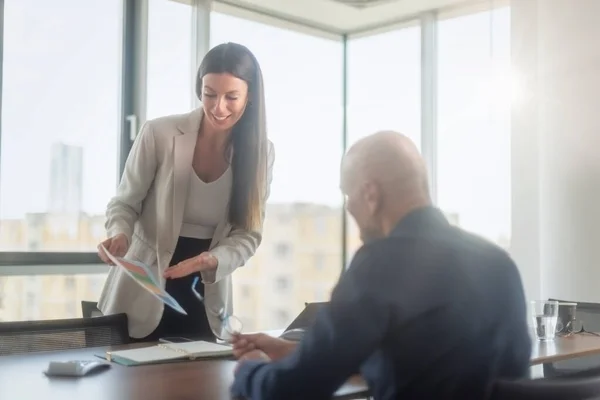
[307,317]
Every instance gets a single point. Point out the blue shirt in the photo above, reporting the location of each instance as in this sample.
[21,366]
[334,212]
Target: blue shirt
[428,312]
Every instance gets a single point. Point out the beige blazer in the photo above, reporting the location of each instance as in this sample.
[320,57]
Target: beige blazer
[148,209]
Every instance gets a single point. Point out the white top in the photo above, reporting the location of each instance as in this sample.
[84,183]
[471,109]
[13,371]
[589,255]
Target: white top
[207,204]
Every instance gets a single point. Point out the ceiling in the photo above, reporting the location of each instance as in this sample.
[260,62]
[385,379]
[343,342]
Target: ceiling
[344,16]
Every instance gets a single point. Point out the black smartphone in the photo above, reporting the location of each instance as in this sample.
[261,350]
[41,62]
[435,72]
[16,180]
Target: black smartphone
[174,339]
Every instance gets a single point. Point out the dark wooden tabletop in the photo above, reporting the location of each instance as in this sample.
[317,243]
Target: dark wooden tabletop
[564,348]
[22,378]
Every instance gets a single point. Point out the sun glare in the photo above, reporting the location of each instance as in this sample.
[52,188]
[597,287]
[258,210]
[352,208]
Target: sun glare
[503,87]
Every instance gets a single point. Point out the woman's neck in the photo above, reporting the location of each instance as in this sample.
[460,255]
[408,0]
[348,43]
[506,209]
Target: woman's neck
[215,137]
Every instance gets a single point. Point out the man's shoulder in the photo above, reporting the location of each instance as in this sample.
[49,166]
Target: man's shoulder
[384,253]
[479,245]
[439,245]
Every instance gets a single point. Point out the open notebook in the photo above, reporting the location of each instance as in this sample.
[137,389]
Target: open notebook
[166,352]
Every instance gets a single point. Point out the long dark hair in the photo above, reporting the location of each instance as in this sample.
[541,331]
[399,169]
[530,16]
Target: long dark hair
[248,140]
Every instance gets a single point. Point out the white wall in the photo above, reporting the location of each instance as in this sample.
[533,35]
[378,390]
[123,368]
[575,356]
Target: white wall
[556,147]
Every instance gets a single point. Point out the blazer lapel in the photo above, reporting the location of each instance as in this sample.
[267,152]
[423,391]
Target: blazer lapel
[183,155]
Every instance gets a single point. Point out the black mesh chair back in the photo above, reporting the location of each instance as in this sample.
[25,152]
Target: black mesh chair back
[63,334]
[581,386]
[307,317]
[588,316]
[89,309]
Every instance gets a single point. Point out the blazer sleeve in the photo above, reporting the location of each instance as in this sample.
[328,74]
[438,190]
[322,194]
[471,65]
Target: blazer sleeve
[236,249]
[124,209]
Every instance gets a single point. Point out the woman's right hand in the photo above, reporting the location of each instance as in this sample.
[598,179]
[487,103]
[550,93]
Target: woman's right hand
[116,245]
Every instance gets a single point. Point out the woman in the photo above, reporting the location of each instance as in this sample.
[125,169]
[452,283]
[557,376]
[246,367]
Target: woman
[191,201]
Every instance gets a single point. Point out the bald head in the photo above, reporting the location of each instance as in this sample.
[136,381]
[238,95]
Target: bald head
[386,176]
[390,159]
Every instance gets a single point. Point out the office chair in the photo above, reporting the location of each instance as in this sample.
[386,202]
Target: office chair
[89,309]
[584,385]
[20,337]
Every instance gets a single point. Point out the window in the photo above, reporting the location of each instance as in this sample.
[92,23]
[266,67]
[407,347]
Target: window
[69,283]
[384,92]
[281,317]
[31,301]
[246,291]
[303,85]
[319,261]
[44,297]
[2,290]
[320,226]
[282,284]
[282,250]
[71,308]
[473,154]
[95,284]
[60,121]
[320,295]
[170,85]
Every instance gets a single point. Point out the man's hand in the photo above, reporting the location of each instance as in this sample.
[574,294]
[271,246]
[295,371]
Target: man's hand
[273,348]
[203,262]
[252,355]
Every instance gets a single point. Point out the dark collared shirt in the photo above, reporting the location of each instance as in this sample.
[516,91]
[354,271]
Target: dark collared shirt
[430,312]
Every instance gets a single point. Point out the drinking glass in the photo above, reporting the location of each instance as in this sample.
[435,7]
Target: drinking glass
[545,319]
[567,317]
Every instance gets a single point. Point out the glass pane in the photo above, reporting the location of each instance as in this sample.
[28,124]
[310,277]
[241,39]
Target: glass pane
[299,259]
[60,122]
[37,297]
[384,84]
[474,122]
[170,86]
[384,92]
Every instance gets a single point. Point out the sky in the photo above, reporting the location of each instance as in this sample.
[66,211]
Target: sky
[61,83]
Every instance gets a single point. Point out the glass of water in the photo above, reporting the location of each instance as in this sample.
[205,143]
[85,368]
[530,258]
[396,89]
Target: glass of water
[545,319]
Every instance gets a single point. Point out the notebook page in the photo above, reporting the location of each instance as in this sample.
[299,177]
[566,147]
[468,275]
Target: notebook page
[148,354]
[202,349]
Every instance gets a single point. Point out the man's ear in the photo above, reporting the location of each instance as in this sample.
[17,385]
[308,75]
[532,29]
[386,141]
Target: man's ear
[372,195]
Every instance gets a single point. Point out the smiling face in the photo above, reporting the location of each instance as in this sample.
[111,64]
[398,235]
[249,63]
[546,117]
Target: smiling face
[224,99]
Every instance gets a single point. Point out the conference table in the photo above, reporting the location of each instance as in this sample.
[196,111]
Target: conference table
[22,378]
[565,348]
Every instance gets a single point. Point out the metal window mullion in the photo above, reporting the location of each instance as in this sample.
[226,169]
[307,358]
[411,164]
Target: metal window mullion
[53,269]
[133,64]
[429,88]
[1,74]
[31,258]
[344,145]
[201,10]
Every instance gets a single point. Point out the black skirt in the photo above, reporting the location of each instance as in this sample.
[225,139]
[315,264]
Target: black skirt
[195,324]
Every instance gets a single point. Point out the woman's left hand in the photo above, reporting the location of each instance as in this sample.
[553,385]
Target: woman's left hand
[203,262]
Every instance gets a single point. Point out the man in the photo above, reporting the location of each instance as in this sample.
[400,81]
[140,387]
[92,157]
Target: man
[425,310]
